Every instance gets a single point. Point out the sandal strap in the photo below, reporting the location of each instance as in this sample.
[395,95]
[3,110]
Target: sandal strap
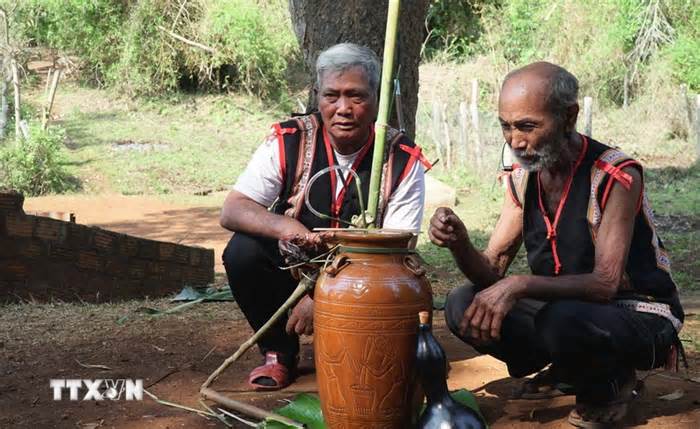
[272,368]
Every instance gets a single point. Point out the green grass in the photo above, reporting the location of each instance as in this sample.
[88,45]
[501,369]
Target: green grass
[178,145]
[675,191]
[675,198]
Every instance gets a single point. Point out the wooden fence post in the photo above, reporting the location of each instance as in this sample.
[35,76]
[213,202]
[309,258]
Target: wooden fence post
[588,116]
[463,132]
[446,134]
[4,107]
[15,83]
[52,95]
[437,125]
[687,104]
[48,82]
[697,124]
[475,122]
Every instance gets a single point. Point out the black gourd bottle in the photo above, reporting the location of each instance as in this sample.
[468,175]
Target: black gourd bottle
[441,411]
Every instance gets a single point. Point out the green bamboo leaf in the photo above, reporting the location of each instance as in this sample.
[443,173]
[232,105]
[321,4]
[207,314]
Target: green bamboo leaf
[305,408]
[467,398]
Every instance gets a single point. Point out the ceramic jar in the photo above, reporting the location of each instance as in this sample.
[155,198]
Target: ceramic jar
[365,331]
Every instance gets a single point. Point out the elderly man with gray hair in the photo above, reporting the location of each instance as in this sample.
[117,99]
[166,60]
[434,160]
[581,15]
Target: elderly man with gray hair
[600,301]
[267,202]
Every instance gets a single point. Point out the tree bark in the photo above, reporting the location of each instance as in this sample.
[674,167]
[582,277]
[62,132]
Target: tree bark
[319,24]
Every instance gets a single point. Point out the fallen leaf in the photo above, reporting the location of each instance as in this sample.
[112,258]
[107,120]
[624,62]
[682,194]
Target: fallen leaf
[676,394]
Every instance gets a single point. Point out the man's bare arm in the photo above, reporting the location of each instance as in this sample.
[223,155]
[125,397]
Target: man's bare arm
[487,267]
[242,214]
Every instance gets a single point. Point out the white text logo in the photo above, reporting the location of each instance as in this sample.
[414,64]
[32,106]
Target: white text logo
[97,390]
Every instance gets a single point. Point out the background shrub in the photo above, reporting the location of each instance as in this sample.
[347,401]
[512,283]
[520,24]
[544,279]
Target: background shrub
[87,29]
[119,43]
[36,166]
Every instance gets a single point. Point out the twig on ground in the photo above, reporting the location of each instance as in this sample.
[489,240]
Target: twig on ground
[221,417]
[208,353]
[240,419]
[202,413]
[85,365]
[247,409]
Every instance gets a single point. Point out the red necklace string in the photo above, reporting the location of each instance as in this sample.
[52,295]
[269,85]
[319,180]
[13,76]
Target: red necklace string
[337,201]
[552,226]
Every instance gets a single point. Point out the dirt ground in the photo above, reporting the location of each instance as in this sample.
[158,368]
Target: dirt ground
[174,354]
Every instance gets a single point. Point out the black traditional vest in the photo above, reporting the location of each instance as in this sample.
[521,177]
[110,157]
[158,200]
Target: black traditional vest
[304,151]
[569,246]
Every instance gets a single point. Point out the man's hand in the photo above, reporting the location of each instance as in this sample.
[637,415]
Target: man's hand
[483,319]
[446,229]
[301,321]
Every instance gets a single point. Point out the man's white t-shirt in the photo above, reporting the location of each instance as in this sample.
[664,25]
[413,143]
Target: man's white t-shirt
[261,181]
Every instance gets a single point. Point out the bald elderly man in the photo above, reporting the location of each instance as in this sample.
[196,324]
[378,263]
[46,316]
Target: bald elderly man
[599,302]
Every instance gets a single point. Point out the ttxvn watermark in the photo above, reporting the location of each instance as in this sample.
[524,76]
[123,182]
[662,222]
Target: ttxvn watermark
[97,390]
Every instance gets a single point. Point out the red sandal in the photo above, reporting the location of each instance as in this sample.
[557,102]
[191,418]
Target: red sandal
[273,371]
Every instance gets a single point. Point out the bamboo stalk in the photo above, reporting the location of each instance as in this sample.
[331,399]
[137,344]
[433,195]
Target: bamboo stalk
[383,115]
[305,285]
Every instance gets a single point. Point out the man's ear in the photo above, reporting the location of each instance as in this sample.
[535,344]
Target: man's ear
[571,115]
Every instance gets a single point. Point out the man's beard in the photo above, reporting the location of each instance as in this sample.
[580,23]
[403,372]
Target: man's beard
[550,154]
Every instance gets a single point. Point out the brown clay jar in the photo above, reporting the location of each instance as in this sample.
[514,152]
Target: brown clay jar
[365,331]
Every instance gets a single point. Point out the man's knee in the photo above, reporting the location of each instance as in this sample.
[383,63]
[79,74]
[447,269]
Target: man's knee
[247,255]
[569,327]
[457,302]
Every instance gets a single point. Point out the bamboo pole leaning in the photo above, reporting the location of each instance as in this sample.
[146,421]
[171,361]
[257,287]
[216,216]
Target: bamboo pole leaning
[306,284]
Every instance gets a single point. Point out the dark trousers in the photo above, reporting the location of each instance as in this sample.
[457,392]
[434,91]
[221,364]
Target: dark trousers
[260,288]
[593,347]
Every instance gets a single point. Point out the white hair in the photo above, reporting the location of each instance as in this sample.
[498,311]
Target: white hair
[343,56]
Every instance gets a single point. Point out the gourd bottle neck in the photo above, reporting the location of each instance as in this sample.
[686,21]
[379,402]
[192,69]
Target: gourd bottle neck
[432,365]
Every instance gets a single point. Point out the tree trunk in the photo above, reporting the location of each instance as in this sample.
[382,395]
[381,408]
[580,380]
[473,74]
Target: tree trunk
[319,24]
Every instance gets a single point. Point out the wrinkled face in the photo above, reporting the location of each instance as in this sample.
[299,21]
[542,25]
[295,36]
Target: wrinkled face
[537,137]
[348,108]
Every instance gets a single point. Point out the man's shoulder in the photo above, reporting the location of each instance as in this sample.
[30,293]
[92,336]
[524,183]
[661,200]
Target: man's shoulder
[300,122]
[605,153]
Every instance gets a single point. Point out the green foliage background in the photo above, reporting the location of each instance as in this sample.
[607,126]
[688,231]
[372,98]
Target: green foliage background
[122,44]
[118,43]
[592,38]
